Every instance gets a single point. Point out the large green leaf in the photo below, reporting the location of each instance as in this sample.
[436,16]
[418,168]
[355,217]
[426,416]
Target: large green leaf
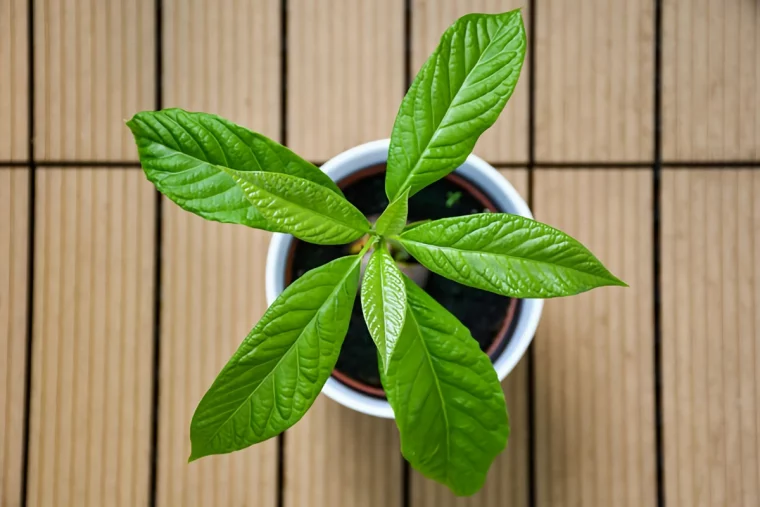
[393,219]
[383,301]
[281,366]
[182,152]
[507,254]
[456,96]
[302,208]
[446,397]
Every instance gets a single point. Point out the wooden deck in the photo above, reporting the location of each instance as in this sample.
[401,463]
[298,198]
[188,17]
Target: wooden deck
[635,127]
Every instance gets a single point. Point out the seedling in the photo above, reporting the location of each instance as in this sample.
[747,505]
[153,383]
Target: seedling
[446,397]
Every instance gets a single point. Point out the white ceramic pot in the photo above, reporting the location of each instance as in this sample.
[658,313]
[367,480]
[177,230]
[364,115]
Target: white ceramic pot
[492,184]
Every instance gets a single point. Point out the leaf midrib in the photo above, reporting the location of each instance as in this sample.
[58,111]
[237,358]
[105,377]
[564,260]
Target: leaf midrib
[437,130]
[438,388]
[383,266]
[287,352]
[513,257]
[295,204]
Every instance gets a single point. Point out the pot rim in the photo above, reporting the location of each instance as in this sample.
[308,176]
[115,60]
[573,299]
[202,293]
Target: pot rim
[489,181]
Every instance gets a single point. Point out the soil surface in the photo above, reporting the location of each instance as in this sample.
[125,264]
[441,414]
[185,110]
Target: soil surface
[482,312]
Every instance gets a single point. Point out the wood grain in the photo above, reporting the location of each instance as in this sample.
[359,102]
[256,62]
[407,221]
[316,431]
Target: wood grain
[345,73]
[92,374]
[711,78]
[507,482]
[223,57]
[507,139]
[594,373]
[94,68]
[710,336]
[337,457]
[14,230]
[213,294]
[14,82]
[344,87]
[594,81]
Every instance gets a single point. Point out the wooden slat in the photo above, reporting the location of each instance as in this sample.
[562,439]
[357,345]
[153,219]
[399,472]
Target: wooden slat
[14,88]
[507,482]
[345,73]
[337,457]
[594,374]
[711,78]
[344,87]
[507,140]
[220,57]
[594,80]
[94,68]
[710,337]
[14,227]
[92,346]
[213,294]
[223,57]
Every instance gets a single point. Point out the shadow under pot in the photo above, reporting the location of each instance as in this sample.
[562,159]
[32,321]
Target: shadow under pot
[493,320]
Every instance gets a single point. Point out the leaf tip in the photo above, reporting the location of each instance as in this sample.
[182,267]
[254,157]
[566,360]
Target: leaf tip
[196,453]
[614,281]
[131,123]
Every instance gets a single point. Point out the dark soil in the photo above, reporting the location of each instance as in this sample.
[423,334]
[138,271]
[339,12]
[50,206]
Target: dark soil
[482,312]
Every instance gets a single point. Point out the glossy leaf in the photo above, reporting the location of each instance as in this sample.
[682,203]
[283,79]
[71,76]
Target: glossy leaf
[182,152]
[456,96]
[446,397]
[302,208]
[281,366]
[393,219]
[507,254]
[383,301]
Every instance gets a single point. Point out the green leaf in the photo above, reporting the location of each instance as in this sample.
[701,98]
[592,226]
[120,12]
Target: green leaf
[414,225]
[281,366]
[507,254]
[383,301]
[446,397]
[299,207]
[393,219]
[182,152]
[456,96]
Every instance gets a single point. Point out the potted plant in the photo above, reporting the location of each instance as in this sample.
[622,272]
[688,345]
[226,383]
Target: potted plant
[423,224]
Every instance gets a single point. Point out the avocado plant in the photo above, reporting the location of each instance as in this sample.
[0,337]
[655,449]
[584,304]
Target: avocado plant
[446,398]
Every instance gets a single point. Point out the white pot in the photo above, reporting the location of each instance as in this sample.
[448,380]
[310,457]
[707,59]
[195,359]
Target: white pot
[491,183]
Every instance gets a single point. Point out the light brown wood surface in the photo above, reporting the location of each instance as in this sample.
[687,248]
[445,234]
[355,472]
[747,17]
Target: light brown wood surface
[345,73]
[594,373]
[223,57]
[14,81]
[711,80]
[345,84]
[710,337]
[594,81]
[92,373]
[14,230]
[213,294]
[507,482]
[94,259]
[94,69]
[337,457]
[507,139]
